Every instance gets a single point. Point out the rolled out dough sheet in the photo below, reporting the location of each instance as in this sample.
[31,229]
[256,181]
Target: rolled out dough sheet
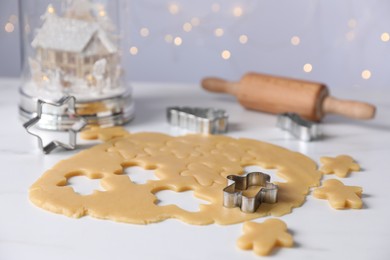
[192,162]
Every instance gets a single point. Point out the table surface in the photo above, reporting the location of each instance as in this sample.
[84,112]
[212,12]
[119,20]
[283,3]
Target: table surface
[318,230]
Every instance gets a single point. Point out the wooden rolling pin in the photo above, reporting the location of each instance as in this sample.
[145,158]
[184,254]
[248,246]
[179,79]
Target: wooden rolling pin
[276,95]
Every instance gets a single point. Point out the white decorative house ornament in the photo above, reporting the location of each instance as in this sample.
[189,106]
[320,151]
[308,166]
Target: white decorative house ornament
[75,53]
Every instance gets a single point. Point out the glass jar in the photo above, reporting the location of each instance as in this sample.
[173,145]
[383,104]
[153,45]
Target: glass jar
[73,48]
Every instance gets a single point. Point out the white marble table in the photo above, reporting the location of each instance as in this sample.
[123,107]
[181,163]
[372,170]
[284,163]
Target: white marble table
[320,232]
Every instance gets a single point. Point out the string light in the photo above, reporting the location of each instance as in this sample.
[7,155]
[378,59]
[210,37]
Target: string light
[168,38]
[187,27]
[307,68]
[133,50]
[225,54]
[366,74]
[13,19]
[238,11]
[173,8]
[295,40]
[352,23]
[215,7]
[144,32]
[102,13]
[218,32]
[385,37]
[99,7]
[195,21]
[27,28]
[50,9]
[243,39]
[178,41]
[350,36]
[9,27]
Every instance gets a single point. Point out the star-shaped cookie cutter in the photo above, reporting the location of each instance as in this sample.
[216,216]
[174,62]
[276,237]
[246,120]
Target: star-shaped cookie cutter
[233,197]
[79,124]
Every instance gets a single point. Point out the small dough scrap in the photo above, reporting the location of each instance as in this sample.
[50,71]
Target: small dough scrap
[103,133]
[263,237]
[340,165]
[91,109]
[193,162]
[339,195]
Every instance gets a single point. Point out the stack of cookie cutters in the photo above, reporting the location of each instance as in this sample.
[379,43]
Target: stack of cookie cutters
[300,128]
[233,193]
[199,120]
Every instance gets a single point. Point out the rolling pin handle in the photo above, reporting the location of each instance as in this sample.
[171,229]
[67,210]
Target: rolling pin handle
[220,86]
[352,109]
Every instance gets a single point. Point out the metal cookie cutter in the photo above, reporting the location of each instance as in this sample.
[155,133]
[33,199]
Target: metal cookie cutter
[233,197]
[79,124]
[300,128]
[199,120]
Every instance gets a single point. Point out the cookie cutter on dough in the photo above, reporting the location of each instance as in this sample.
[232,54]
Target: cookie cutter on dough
[300,128]
[79,124]
[233,197]
[199,120]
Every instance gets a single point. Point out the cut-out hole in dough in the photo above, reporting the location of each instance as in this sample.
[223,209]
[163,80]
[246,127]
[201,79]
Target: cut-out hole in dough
[139,175]
[184,200]
[270,172]
[84,185]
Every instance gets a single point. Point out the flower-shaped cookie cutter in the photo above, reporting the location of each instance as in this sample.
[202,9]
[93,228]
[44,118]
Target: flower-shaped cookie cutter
[78,125]
[233,193]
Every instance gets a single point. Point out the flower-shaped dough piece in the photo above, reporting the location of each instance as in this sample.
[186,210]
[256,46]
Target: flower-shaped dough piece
[340,165]
[263,237]
[103,133]
[339,195]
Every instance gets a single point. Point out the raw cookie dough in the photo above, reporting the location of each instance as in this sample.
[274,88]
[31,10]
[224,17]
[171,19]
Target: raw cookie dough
[340,165]
[88,109]
[339,195]
[191,162]
[104,134]
[263,237]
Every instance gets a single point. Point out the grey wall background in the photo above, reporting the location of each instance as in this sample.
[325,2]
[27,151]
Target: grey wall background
[346,42]
[9,41]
